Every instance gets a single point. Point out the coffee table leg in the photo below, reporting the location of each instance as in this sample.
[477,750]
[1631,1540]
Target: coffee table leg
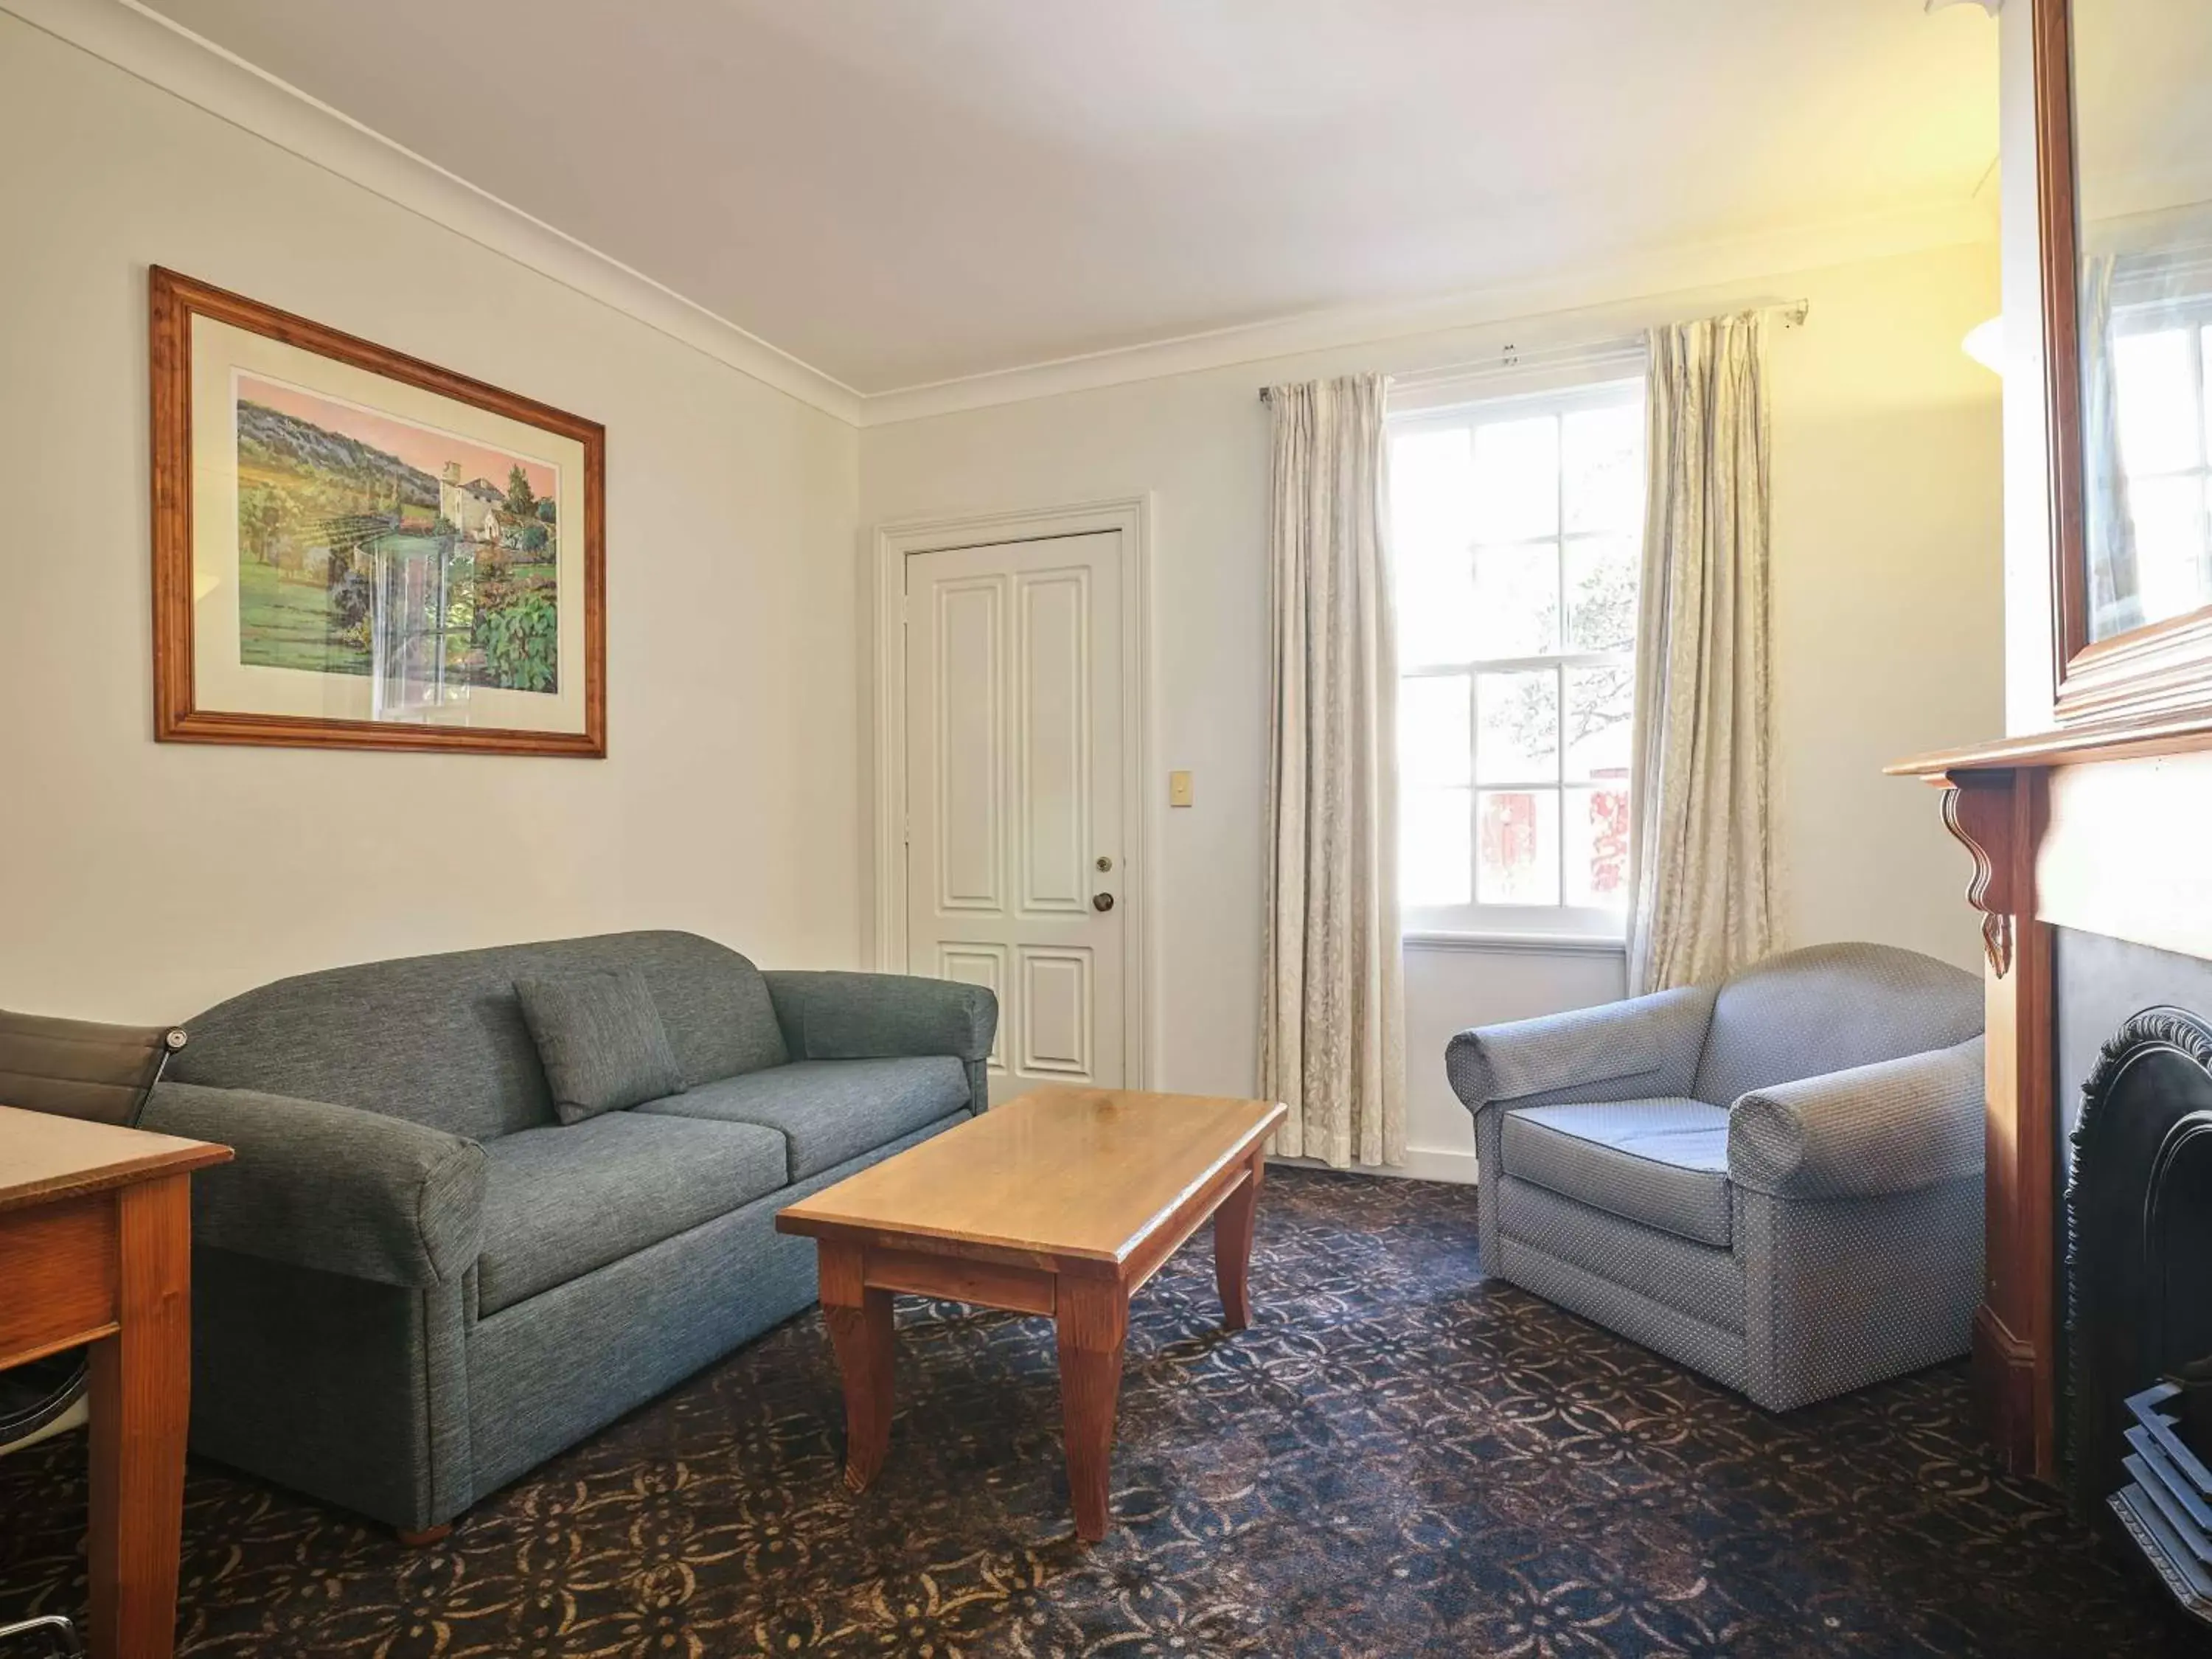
[1093,1322]
[1232,1248]
[860,1320]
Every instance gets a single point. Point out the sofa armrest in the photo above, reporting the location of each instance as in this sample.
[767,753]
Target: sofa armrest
[1645,1046]
[1893,1127]
[834,1016]
[332,1187]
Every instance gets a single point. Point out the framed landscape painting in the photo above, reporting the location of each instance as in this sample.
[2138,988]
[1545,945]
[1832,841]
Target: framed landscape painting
[355,548]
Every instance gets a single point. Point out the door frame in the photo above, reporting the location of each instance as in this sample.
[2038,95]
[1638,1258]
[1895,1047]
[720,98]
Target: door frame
[898,540]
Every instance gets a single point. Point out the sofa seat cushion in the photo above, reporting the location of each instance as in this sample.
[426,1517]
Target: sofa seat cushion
[830,1110]
[563,1201]
[1662,1162]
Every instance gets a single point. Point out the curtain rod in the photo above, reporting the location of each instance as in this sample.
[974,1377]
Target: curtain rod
[1793,313]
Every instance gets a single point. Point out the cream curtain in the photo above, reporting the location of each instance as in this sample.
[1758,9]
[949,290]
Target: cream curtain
[1701,856]
[1331,1038]
[2116,598]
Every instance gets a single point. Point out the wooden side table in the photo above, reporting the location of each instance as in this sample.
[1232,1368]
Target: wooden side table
[96,1251]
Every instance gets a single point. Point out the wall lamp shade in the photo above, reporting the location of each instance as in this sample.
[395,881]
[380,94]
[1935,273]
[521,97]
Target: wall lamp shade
[1985,343]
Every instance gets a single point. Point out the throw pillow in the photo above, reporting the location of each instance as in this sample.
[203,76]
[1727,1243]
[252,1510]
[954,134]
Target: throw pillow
[601,1041]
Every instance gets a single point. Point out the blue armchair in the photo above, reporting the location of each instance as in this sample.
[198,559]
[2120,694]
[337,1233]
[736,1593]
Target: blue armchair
[1776,1181]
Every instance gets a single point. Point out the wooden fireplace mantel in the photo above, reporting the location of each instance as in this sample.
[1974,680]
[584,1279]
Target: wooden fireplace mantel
[1980,811]
[1999,816]
[2134,738]
[2094,827]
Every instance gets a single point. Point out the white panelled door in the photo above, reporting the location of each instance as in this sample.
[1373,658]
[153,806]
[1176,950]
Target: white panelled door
[1014,865]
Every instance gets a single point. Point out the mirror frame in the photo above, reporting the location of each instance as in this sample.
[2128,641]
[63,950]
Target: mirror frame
[2163,668]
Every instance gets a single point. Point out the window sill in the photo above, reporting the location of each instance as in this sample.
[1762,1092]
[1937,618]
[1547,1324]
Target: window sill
[1547,945]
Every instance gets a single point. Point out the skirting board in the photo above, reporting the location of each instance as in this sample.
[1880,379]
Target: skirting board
[1422,1164]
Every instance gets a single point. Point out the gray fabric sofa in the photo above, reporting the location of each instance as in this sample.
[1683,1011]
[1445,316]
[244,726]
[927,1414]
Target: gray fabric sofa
[413,1283]
[1776,1181]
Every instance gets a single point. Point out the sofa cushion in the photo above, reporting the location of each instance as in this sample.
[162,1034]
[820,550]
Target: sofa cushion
[562,1201]
[1662,1162]
[440,1040]
[829,1110]
[600,1039]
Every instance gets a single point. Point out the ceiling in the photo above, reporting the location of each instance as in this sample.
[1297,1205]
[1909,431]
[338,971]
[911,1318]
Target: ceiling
[899,192]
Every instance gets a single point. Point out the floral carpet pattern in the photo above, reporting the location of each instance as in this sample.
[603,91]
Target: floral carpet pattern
[1399,1458]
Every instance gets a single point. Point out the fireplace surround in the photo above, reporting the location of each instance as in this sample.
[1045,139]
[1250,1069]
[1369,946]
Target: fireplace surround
[2085,830]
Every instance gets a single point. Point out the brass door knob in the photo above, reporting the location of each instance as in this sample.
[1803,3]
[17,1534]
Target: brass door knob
[1101,901]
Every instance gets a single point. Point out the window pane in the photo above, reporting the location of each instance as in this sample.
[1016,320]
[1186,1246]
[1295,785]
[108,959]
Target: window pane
[1601,579]
[1602,461]
[1598,729]
[1433,732]
[1437,610]
[1516,601]
[1434,859]
[1431,494]
[1432,504]
[1519,738]
[2169,544]
[1520,847]
[1518,538]
[1517,479]
[1597,848]
[2155,389]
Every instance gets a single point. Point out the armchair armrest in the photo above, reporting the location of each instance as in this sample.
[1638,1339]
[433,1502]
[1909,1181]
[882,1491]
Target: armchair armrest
[330,1186]
[836,1016]
[1893,1127]
[1645,1045]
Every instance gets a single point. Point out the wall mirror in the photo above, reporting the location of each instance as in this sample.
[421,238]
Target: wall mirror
[2125,123]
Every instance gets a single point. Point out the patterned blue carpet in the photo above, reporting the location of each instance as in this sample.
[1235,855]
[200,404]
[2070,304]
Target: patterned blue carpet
[1397,1459]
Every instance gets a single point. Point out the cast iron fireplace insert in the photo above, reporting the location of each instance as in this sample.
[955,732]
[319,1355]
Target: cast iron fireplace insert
[2139,1298]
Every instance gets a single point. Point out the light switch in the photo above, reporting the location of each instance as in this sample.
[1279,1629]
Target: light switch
[1178,788]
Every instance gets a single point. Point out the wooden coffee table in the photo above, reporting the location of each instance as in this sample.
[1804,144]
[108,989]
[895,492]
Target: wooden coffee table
[1062,1202]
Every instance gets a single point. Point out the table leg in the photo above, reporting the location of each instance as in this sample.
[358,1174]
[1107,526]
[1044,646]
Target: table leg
[1232,1248]
[1093,1323]
[141,1398]
[860,1320]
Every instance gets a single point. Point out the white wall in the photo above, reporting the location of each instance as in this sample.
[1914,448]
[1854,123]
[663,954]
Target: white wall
[1886,612]
[144,881]
[1449,988]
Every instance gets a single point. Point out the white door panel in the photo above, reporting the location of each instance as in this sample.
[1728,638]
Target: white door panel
[969,750]
[984,965]
[1014,757]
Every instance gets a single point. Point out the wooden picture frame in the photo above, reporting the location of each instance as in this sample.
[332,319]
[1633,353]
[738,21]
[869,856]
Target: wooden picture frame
[2163,668]
[530,585]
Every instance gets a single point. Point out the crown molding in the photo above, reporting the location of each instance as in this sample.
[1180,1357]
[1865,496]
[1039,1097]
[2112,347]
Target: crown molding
[1633,276]
[152,48]
[144,44]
